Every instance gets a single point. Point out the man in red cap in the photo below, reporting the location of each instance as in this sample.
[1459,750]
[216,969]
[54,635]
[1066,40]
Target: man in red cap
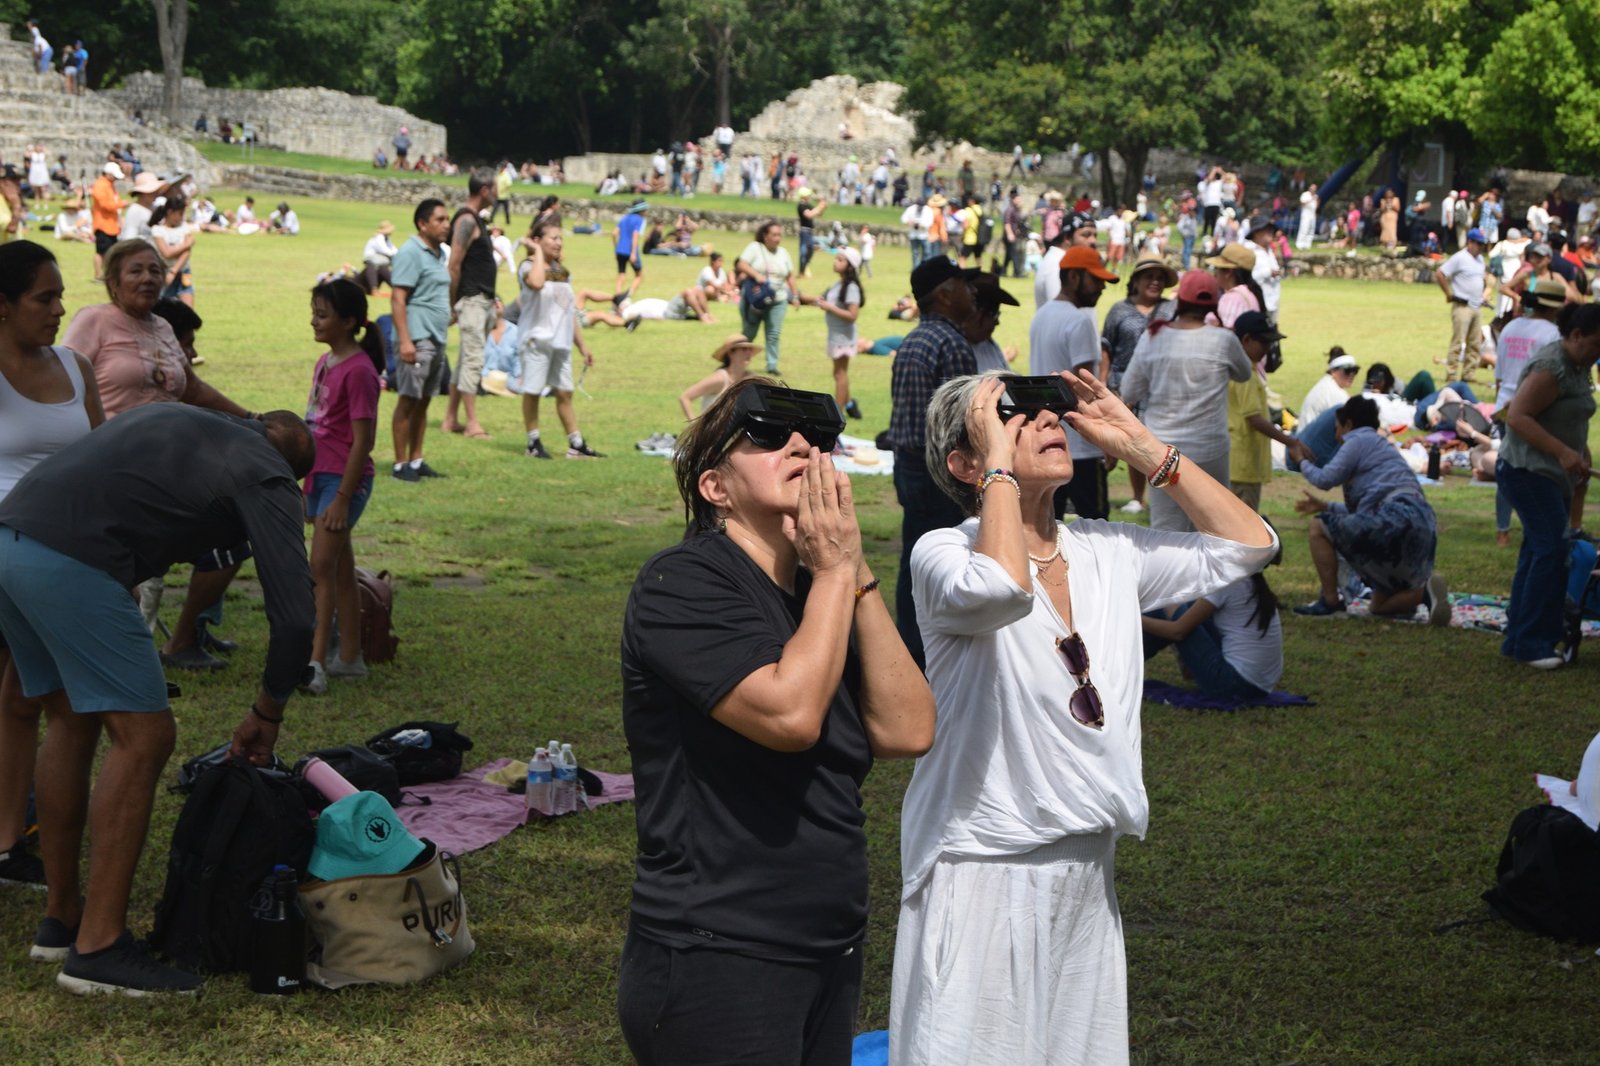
[1064,336]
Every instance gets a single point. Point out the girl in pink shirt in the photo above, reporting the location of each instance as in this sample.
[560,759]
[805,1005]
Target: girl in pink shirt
[342,411]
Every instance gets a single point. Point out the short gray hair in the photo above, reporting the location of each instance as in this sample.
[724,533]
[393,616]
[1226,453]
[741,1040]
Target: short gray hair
[947,432]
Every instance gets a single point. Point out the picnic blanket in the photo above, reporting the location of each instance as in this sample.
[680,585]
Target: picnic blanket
[1468,611]
[466,812]
[1189,699]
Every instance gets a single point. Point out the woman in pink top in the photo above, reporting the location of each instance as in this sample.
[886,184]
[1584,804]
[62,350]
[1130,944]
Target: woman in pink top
[342,412]
[135,355]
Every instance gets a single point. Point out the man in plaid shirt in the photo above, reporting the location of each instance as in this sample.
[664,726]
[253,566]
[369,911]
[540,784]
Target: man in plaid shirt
[931,354]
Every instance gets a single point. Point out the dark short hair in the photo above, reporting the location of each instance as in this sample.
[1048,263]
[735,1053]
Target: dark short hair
[300,447]
[479,180]
[1582,319]
[539,227]
[425,210]
[1361,412]
[179,315]
[20,263]
[761,230]
[175,203]
[700,448]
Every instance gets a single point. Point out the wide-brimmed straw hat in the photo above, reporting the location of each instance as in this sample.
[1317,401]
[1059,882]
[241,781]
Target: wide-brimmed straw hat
[727,347]
[1144,263]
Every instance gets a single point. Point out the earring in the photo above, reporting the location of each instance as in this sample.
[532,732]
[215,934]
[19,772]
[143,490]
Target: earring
[722,523]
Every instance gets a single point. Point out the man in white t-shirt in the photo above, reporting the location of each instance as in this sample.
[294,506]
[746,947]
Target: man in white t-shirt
[1064,336]
[917,218]
[1309,203]
[1078,230]
[1588,211]
[1462,277]
[723,136]
[1538,221]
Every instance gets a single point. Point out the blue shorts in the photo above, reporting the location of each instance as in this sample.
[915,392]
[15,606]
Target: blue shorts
[73,627]
[324,487]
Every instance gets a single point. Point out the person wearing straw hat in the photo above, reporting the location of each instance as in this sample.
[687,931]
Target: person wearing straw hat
[1235,265]
[1125,323]
[73,222]
[733,358]
[136,220]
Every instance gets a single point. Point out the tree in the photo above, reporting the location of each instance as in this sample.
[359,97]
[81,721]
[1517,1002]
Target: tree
[1534,102]
[1122,75]
[172,31]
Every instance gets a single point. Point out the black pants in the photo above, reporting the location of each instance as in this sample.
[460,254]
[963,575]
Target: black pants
[501,206]
[1211,216]
[924,508]
[1087,491]
[713,1008]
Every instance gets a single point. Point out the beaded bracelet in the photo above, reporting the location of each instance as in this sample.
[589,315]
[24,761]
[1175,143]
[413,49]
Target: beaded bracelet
[991,476]
[1167,473]
[870,586]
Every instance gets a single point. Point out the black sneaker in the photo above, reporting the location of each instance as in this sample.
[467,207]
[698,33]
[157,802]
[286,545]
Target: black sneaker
[852,408]
[53,941]
[536,450]
[192,658]
[403,472]
[633,324]
[19,866]
[424,470]
[582,451]
[210,642]
[125,968]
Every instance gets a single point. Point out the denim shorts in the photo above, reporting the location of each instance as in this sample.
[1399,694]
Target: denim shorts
[322,488]
[72,626]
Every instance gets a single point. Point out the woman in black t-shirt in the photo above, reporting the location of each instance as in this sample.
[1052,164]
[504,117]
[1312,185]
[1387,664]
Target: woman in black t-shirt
[762,674]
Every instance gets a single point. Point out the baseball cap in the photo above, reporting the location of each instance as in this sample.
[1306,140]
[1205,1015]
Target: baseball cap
[1081,258]
[1342,362]
[1538,248]
[1256,324]
[112,171]
[931,273]
[852,257]
[1198,287]
[1421,196]
[1476,234]
[1233,254]
[1072,224]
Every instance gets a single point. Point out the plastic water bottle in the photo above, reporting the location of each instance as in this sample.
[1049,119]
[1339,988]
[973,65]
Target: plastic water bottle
[580,802]
[278,936]
[540,785]
[566,776]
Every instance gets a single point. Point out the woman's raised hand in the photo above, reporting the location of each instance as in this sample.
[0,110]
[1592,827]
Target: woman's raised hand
[826,534]
[1104,420]
[994,441]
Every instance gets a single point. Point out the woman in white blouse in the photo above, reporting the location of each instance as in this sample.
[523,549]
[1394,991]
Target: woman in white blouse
[1010,943]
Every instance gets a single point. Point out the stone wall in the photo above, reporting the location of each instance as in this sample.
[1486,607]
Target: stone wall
[317,121]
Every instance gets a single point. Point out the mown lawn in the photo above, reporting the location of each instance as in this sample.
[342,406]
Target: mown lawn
[1282,908]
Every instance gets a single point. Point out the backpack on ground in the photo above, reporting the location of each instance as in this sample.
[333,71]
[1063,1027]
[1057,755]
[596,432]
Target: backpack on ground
[237,824]
[421,759]
[1548,878]
[378,638]
[365,769]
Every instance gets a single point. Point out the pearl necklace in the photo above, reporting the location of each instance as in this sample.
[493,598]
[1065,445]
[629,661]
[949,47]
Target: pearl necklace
[1044,561]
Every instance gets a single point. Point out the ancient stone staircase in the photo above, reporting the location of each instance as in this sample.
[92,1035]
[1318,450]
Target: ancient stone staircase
[34,110]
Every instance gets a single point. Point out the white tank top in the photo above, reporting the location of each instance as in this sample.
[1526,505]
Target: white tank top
[31,431]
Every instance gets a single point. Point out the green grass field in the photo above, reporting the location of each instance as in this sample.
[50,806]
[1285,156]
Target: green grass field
[1281,909]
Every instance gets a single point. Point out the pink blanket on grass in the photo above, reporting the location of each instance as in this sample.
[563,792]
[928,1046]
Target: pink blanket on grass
[467,813]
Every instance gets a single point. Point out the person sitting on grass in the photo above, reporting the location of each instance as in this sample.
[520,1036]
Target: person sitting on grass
[1385,530]
[1230,642]
[283,221]
[343,408]
[734,356]
[716,281]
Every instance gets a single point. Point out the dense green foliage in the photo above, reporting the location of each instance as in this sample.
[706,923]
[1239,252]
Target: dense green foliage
[1291,82]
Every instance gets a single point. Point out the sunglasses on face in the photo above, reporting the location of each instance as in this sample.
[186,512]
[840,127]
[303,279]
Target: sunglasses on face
[1085,705]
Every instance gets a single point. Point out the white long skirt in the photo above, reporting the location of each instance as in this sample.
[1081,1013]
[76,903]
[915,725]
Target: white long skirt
[1017,961]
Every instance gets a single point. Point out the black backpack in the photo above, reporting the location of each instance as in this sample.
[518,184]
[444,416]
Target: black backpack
[366,770]
[1548,879]
[237,824]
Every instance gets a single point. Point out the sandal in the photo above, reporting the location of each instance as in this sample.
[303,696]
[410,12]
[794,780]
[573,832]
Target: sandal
[477,434]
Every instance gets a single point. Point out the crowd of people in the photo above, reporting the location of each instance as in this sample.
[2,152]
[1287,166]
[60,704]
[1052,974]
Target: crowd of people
[760,649]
